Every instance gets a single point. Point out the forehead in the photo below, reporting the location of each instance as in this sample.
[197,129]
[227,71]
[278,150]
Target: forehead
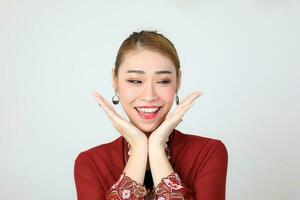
[147,61]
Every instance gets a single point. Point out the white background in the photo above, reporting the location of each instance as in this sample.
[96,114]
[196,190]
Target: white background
[242,54]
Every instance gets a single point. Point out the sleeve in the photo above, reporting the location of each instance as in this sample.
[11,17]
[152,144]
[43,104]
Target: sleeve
[170,187]
[210,183]
[126,188]
[88,186]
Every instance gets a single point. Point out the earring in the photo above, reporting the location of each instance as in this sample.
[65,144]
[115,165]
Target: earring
[177,99]
[115,101]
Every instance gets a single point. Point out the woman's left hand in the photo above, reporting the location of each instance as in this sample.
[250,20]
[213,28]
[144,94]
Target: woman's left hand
[160,136]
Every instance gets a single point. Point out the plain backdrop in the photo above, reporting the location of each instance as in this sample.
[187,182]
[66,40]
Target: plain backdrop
[242,54]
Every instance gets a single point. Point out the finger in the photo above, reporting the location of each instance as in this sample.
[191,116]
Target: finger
[102,101]
[108,109]
[191,94]
[187,101]
[116,120]
[189,98]
[120,123]
[179,114]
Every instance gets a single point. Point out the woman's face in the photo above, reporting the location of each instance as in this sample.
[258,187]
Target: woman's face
[146,79]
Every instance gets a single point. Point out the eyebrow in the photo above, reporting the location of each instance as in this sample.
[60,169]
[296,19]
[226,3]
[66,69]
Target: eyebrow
[142,72]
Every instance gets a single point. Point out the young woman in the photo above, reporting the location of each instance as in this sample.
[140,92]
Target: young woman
[151,159]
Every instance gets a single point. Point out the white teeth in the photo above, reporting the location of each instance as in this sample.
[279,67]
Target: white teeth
[147,110]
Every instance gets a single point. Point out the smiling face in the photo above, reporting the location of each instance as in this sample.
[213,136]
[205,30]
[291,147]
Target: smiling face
[146,79]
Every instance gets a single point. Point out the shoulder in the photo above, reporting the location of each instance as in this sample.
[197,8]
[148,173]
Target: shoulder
[196,140]
[100,152]
[201,145]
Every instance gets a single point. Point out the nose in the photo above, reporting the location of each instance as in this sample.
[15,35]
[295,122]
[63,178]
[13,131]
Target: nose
[149,93]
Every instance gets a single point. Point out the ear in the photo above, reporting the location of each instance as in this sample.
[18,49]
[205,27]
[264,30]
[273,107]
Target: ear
[178,81]
[114,79]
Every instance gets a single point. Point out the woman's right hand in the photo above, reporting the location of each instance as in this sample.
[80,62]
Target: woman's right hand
[132,134]
[136,165]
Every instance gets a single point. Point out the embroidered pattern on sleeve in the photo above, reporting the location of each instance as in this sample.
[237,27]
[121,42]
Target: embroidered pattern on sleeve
[126,188]
[169,188]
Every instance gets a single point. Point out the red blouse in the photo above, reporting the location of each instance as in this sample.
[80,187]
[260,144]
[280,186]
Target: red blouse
[199,164]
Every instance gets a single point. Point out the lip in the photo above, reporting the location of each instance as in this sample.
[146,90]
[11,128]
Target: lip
[148,115]
[147,106]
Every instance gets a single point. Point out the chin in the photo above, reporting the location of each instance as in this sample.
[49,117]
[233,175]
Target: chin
[147,130]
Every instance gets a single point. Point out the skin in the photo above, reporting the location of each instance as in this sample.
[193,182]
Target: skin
[147,137]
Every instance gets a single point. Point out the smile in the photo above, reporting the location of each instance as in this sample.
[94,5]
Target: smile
[147,113]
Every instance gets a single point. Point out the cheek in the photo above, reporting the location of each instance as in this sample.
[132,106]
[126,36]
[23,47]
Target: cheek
[130,94]
[127,93]
[167,95]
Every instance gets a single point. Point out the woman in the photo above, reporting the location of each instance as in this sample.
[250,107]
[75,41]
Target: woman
[151,159]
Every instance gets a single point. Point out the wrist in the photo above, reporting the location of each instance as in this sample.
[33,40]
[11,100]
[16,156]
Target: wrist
[154,143]
[140,147]
[156,150]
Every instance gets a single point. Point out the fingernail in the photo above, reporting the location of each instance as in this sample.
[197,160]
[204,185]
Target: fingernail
[199,93]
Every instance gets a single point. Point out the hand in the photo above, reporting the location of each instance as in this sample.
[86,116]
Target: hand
[131,133]
[160,136]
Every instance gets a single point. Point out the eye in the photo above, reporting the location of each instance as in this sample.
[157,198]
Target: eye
[164,82]
[134,81]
